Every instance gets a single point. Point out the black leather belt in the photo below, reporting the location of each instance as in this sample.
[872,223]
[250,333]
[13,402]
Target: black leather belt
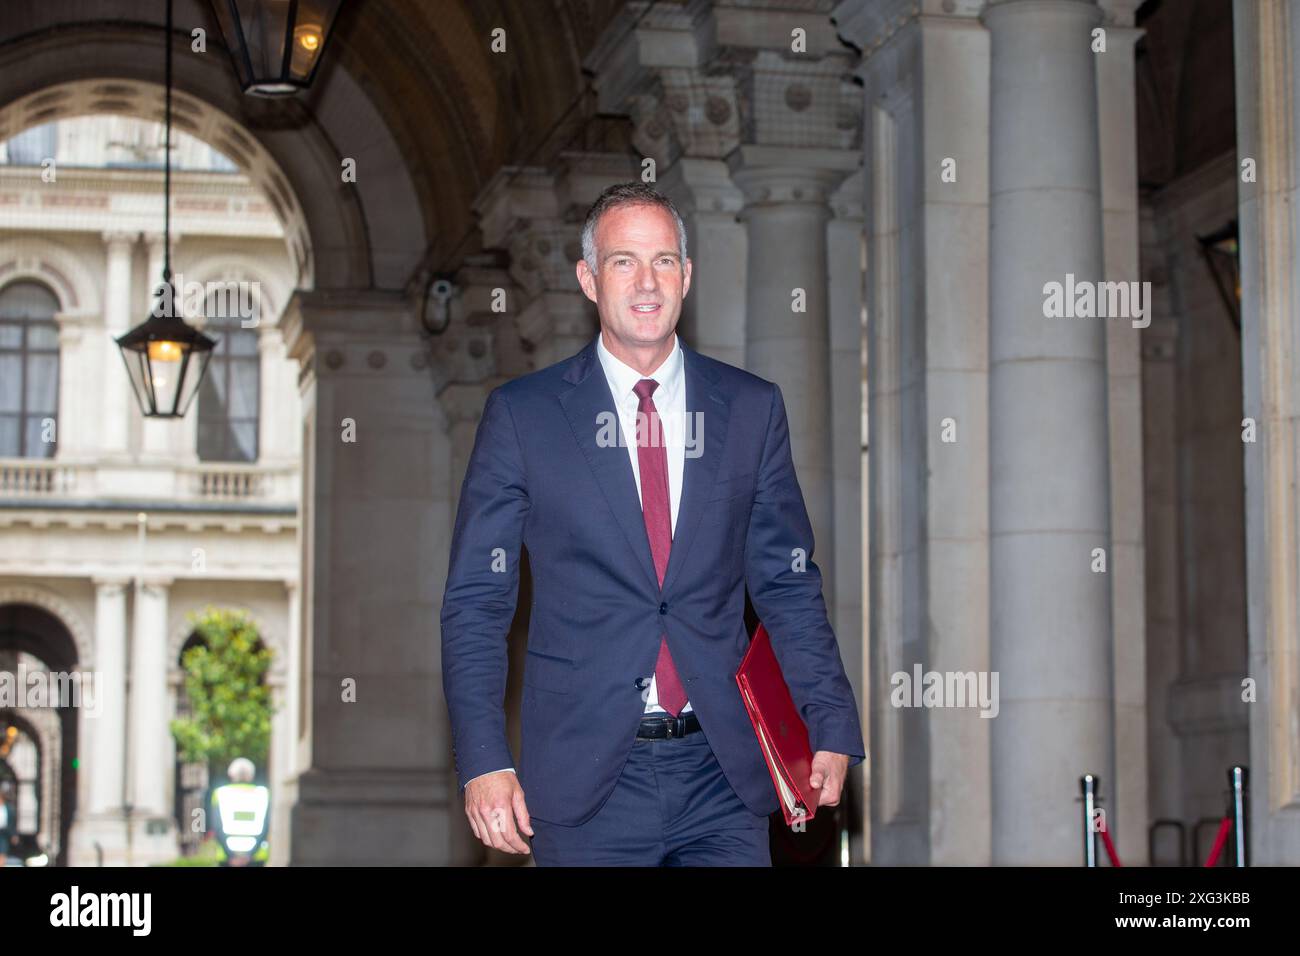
[665,726]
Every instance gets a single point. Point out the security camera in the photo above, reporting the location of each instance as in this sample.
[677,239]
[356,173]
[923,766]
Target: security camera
[437,305]
[442,290]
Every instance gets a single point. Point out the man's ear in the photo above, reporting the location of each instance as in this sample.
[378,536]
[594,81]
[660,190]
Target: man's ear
[586,279]
[686,279]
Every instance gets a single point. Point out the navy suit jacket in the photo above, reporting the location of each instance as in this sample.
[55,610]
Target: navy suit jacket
[541,475]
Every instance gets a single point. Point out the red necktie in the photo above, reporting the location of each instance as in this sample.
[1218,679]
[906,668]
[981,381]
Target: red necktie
[652,463]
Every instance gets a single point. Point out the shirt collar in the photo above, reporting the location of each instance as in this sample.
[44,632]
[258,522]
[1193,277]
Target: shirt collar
[623,378]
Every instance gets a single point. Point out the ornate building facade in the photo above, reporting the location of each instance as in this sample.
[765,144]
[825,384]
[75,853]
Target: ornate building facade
[116,527]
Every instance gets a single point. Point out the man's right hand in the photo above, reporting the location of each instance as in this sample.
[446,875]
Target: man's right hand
[494,803]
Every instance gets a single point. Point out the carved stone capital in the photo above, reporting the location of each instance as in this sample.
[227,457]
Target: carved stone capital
[802,102]
[771,174]
[119,240]
[702,188]
[535,214]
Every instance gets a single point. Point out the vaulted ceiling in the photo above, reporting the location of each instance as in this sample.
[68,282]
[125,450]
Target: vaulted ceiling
[1186,111]
[459,110]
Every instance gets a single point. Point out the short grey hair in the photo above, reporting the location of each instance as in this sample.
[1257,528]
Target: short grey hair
[627,194]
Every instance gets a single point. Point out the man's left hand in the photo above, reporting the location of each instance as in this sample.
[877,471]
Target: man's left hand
[828,772]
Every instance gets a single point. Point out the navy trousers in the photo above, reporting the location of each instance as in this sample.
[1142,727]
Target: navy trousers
[672,806]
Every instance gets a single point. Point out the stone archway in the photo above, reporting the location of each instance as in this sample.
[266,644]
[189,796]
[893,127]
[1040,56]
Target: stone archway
[144,100]
[367,235]
[30,746]
[58,69]
[29,631]
[55,606]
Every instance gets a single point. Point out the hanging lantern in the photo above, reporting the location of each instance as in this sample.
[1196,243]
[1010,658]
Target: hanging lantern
[276,45]
[165,358]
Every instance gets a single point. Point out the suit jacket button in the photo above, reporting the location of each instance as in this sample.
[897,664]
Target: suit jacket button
[663,608]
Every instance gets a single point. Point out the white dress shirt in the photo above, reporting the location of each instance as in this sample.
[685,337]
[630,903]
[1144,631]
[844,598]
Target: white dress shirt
[670,402]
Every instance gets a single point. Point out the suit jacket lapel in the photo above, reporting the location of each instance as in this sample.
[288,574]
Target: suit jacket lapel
[707,415]
[584,405]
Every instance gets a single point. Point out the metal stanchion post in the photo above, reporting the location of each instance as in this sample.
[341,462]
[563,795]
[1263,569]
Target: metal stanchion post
[1239,784]
[1089,785]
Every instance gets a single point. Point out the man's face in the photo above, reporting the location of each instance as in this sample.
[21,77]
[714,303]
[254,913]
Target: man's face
[640,279]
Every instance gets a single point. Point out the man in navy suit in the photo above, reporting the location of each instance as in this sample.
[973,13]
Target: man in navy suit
[651,485]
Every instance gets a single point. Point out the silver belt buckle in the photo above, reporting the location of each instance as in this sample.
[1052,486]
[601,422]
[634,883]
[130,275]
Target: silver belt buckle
[672,722]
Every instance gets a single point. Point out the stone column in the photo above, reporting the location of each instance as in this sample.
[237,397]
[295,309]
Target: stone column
[99,833]
[1049,449]
[119,401]
[293,703]
[149,735]
[653,63]
[77,385]
[285,765]
[280,761]
[845,267]
[375,517]
[925,77]
[106,761]
[787,337]
[1117,127]
[846,260]
[151,751]
[1266,36]
[713,313]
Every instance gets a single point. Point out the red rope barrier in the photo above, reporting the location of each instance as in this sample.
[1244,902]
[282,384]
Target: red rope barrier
[1110,848]
[1225,825]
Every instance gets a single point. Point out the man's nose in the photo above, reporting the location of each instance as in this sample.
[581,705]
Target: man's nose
[646,279]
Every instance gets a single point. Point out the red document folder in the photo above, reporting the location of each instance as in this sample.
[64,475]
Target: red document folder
[781,733]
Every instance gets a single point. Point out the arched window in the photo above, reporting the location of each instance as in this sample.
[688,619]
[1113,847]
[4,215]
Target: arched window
[229,396]
[29,370]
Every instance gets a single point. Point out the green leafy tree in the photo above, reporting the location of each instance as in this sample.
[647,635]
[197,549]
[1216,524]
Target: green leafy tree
[229,700]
